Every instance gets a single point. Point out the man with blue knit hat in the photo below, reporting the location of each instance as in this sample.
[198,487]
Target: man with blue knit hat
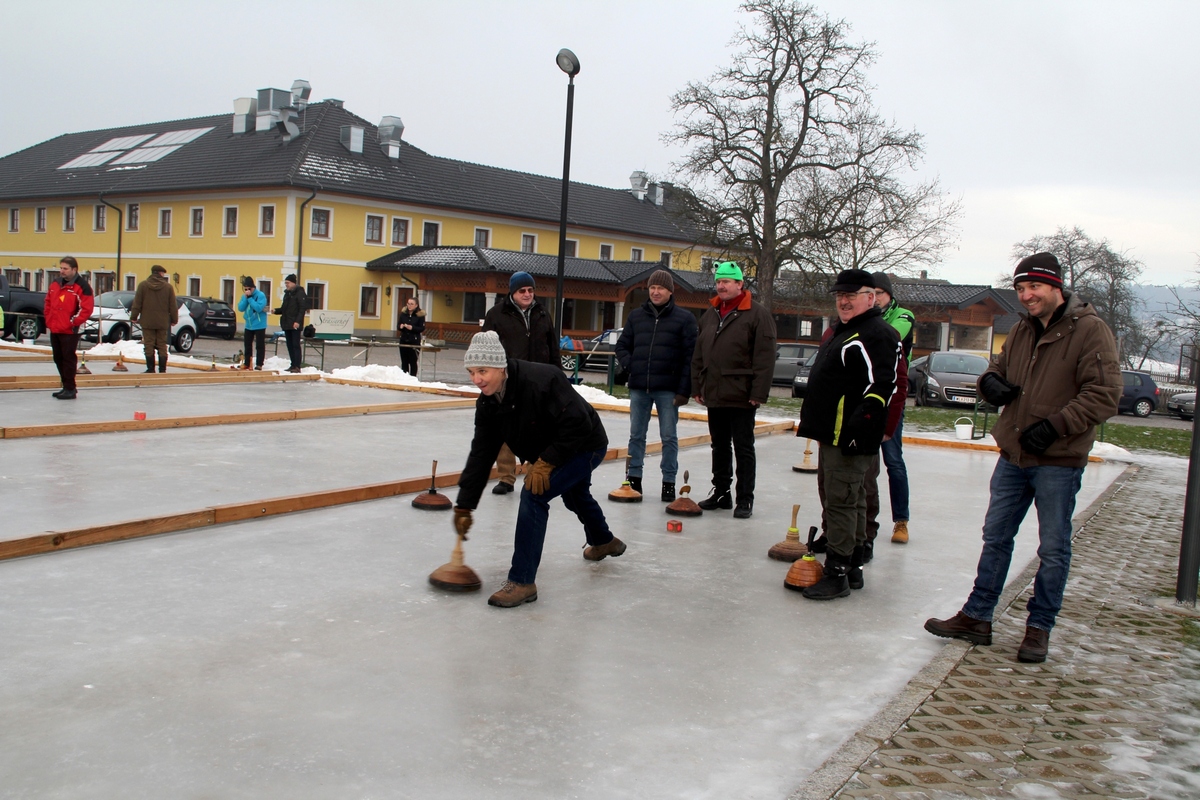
[527,333]
[535,411]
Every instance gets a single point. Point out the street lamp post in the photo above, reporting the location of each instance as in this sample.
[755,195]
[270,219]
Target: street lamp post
[568,63]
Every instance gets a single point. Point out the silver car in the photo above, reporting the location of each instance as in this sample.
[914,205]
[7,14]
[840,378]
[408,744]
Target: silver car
[945,378]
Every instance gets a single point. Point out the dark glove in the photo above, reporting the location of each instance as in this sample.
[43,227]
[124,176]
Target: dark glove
[462,521]
[538,479]
[681,400]
[998,391]
[1037,438]
[860,430]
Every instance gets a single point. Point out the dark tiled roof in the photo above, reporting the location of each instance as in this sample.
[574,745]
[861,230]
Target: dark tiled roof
[949,294]
[220,159]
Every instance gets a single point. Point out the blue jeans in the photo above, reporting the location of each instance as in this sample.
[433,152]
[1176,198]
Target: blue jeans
[1052,490]
[892,452]
[639,421]
[573,481]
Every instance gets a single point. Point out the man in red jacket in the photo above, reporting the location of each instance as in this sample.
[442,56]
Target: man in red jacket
[68,305]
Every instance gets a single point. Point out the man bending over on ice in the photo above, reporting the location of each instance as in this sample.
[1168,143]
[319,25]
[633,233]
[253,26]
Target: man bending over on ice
[534,410]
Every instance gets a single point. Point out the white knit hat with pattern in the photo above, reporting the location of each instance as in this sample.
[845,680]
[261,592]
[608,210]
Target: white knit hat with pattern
[485,351]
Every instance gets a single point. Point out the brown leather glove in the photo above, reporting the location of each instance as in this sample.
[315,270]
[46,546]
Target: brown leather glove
[537,480]
[681,400]
[462,521]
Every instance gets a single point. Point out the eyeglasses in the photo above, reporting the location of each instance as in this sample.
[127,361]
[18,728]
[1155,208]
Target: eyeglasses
[851,295]
[525,290]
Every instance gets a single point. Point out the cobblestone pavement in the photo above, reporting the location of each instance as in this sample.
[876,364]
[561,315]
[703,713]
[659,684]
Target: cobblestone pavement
[977,723]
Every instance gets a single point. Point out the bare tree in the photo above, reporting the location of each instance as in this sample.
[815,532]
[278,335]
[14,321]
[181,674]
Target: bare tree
[786,150]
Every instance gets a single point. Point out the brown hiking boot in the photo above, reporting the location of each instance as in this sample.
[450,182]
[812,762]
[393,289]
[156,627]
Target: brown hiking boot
[900,532]
[614,548]
[1034,646]
[513,594]
[960,626]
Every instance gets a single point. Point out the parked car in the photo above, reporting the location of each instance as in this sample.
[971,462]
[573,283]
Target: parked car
[788,358]
[945,378]
[1140,395]
[111,317]
[212,317]
[800,379]
[1182,405]
[22,311]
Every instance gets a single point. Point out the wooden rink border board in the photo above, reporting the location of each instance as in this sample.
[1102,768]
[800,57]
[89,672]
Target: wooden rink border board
[19,382]
[57,541]
[85,356]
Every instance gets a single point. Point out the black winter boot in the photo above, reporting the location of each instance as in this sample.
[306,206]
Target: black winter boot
[150,361]
[868,552]
[668,492]
[854,575]
[634,483]
[717,500]
[162,363]
[834,583]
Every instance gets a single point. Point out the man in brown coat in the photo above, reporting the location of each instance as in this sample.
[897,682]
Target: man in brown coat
[732,367]
[154,304]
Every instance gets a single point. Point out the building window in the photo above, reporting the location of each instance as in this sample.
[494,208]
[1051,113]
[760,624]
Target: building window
[101,220]
[374,229]
[664,258]
[264,286]
[39,280]
[320,223]
[316,295]
[528,243]
[606,252]
[483,237]
[399,232]
[194,287]
[130,282]
[69,218]
[706,263]
[227,290]
[568,313]
[368,301]
[635,254]
[266,226]
[14,220]
[39,220]
[197,222]
[13,275]
[164,222]
[571,248]
[430,234]
[806,328]
[132,216]
[231,220]
[474,306]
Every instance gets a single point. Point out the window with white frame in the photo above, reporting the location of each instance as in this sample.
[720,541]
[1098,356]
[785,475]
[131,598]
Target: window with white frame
[606,252]
[266,220]
[571,248]
[130,282]
[194,286]
[164,222]
[664,258]
[321,219]
[69,219]
[528,243]
[133,213]
[635,254]
[231,219]
[374,229]
[483,237]
[100,221]
[197,222]
[227,285]
[399,232]
[14,220]
[806,327]
[431,234]
[264,286]
[316,294]
[39,219]
[368,301]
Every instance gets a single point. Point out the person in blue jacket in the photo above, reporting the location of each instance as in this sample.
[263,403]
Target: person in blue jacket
[253,306]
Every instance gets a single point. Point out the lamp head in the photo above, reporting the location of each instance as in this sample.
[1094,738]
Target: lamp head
[568,62]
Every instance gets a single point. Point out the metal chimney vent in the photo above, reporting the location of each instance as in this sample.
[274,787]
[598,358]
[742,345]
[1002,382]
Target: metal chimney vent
[352,138]
[656,193]
[639,181]
[245,109]
[390,131]
[301,90]
[269,103]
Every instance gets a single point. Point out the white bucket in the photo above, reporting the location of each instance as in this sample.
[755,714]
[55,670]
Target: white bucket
[964,428]
[27,341]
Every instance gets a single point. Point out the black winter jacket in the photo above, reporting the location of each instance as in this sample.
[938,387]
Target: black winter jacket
[656,348]
[293,308]
[417,320]
[541,416]
[851,384]
[534,343]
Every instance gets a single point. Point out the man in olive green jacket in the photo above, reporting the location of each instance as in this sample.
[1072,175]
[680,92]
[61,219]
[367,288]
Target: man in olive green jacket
[154,304]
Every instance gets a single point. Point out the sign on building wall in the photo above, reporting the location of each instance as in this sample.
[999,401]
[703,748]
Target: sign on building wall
[332,324]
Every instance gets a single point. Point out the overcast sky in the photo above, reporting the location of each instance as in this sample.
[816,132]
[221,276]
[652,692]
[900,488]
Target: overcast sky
[1035,114]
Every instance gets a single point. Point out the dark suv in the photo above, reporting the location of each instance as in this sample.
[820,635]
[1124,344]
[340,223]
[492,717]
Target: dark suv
[213,317]
[1140,394]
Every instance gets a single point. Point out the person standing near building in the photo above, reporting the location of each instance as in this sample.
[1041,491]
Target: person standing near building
[656,348]
[732,368]
[845,411]
[527,333]
[1057,377]
[253,306]
[535,411]
[410,325]
[155,306]
[69,303]
[291,319]
[892,449]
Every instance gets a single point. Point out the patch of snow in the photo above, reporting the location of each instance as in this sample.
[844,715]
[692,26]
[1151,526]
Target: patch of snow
[594,395]
[394,376]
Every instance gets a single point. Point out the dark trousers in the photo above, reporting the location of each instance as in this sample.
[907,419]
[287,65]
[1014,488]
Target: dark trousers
[292,335]
[733,426]
[408,358]
[251,338]
[63,345]
[844,499]
[154,342]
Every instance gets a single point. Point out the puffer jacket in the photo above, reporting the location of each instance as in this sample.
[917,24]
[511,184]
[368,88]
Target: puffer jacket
[68,305]
[254,310]
[734,359]
[903,321]
[533,343]
[417,320]
[656,348]
[1070,376]
[154,304]
[293,308]
[540,416]
[851,385]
